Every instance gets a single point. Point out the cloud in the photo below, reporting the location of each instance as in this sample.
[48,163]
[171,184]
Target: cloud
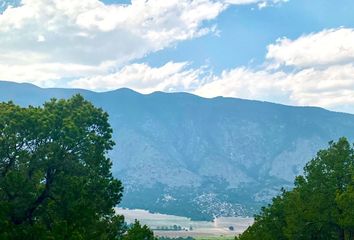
[240,2]
[331,87]
[261,3]
[331,46]
[316,69]
[48,74]
[248,84]
[308,80]
[89,33]
[170,77]
[7,3]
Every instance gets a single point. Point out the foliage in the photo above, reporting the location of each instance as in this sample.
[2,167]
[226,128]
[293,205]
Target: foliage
[178,238]
[138,232]
[321,206]
[55,177]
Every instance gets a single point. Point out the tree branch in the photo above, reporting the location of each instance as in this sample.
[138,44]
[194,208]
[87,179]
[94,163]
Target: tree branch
[28,215]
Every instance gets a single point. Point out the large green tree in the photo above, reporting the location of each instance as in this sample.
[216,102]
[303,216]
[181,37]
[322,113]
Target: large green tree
[321,205]
[55,176]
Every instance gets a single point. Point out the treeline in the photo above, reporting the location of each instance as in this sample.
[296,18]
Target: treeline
[321,205]
[172,228]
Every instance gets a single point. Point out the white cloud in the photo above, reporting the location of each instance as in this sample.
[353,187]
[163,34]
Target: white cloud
[261,3]
[89,33]
[319,71]
[6,3]
[240,2]
[331,87]
[318,78]
[170,77]
[332,46]
[247,83]
[47,74]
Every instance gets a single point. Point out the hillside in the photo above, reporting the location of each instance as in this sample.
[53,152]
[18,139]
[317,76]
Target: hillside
[180,154]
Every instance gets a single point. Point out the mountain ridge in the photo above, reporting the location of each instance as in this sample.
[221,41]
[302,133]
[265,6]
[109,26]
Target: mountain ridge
[181,154]
[126,89]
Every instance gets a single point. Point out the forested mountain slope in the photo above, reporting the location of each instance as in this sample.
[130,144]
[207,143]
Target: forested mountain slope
[182,154]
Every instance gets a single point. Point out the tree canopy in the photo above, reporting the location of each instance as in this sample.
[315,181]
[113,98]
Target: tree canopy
[139,232]
[321,205]
[55,176]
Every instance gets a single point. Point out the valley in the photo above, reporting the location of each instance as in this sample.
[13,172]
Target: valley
[171,226]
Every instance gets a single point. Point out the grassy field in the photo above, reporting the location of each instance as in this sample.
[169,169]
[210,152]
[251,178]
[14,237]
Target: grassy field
[201,230]
[215,238]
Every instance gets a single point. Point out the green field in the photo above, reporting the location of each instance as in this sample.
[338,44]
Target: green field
[214,238]
[200,230]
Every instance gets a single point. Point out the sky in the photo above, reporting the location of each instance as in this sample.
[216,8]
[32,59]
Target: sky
[294,52]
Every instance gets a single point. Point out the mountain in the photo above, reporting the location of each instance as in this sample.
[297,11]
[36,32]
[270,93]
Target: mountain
[181,154]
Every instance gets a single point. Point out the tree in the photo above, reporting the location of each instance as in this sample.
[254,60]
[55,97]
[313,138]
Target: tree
[330,173]
[269,223]
[321,205]
[138,232]
[55,176]
[345,203]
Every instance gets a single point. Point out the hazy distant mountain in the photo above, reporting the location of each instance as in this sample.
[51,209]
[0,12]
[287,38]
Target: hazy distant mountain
[181,154]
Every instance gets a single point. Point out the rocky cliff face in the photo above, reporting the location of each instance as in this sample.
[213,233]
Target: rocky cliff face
[182,154]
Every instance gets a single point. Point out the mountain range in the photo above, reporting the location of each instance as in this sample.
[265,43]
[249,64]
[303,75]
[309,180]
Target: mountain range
[181,154]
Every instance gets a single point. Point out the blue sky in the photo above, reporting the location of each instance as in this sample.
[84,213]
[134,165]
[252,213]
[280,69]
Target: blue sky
[296,52]
[246,31]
